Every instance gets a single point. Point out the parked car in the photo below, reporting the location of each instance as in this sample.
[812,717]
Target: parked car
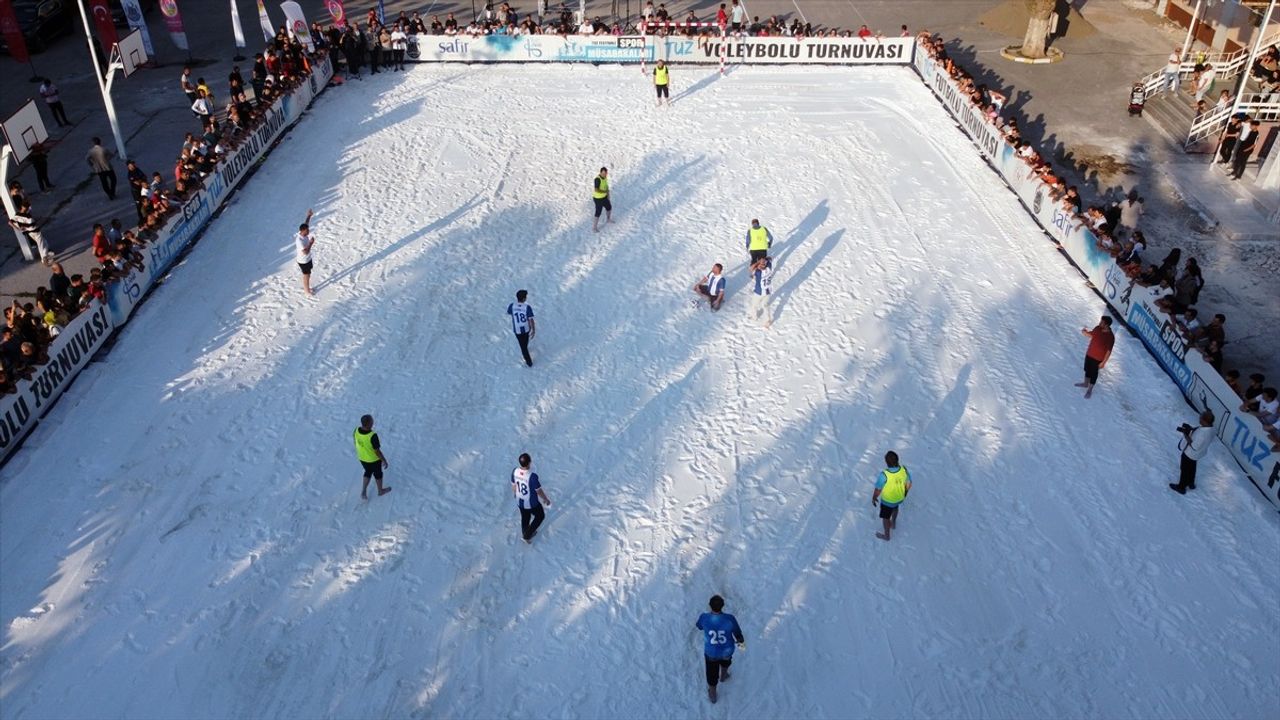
[121,18]
[42,22]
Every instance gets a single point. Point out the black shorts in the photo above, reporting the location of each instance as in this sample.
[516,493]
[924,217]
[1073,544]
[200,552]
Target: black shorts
[886,511]
[372,469]
[1090,370]
[713,668]
[305,267]
[663,91]
[737,27]
[602,204]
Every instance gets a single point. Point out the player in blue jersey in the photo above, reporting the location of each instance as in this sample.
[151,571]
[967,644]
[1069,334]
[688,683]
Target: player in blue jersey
[711,286]
[720,634]
[892,485]
[522,323]
[529,496]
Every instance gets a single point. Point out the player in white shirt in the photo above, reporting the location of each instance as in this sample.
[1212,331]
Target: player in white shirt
[522,323]
[530,497]
[302,244]
[761,288]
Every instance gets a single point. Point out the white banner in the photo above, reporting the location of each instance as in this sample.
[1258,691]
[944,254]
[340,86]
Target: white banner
[137,21]
[264,20]
[296,22]
[235,24]
[673,49]
[68,354]
[1134,304]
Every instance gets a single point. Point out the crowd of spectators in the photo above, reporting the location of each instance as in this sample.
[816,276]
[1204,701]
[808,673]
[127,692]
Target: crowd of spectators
[1116,227]
[118,251]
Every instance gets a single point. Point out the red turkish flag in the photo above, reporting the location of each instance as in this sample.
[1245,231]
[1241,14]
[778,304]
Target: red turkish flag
[12,32]
[106,26]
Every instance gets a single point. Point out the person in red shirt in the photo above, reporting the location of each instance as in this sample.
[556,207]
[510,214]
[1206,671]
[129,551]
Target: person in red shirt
[1101,340]
[864,32]
[101,245]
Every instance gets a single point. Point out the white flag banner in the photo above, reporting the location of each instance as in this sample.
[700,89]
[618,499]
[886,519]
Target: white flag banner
[235,24]
[268,32]
[133,13]
[297,24]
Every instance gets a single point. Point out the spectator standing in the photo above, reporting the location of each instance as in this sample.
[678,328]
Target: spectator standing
[761,287]
[99,159]
[737,16]
[59,283]
[522,323]
[1194,444]
[137,180]
[892,486]
[1248,141]
[1230,136]
[369,452]
[303,241]
[711,286]
[258,77]
[530,497]
[26,224]
[600,196]
[722,17]
[662,81]
[721,634]
[1101,341]
[1130,213]
[1171,69]
[1204,81]
[399,44]
[188,85]
[759,240]
[49,91]
[40,161]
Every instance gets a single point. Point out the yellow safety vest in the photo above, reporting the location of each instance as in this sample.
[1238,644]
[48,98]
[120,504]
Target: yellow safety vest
[364,446]
[603,192]
[759,238]
[895,485]
[660,76]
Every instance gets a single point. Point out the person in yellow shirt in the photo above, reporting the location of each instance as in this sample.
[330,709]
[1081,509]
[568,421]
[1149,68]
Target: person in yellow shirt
[662,82]
[600,196]
[892,485]
[369,452]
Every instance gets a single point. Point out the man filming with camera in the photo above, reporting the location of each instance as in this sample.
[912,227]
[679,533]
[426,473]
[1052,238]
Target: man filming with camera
[1194,444]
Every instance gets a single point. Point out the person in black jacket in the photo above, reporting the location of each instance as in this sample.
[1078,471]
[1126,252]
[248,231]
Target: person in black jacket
[1248,141]
[1229,138]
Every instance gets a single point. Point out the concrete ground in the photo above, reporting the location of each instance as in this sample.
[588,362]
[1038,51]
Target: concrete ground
[1075,110]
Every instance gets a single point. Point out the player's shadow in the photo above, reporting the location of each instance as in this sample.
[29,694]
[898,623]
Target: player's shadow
[785,291]
[394,247]
[951,408]
[700,85]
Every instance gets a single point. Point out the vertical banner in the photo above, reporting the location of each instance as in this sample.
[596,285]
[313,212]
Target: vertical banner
[382,12]
[264,20]
[297,24]
[235,24]
[337,12]
[12,32]
[106,26]
[137,21]
[173,23]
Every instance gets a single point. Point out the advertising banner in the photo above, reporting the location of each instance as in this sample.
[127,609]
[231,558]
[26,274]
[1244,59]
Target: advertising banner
[235,25]
[68,354]
[138,21]
[264,20]
[297,24]
[1134,304]
[173,23]
[674,49]
[337,12]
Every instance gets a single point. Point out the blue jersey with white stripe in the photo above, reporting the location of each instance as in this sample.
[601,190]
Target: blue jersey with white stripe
[526,487]
[521,314]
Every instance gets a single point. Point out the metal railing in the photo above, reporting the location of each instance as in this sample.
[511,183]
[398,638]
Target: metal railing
[1225,65]
[1258,106]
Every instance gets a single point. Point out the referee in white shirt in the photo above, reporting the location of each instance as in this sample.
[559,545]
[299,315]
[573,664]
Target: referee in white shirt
[1195,443]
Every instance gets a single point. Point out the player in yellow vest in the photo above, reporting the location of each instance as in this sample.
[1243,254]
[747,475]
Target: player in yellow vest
[892,485]
[600,196]
[759,240]
[662,81]
[369,452]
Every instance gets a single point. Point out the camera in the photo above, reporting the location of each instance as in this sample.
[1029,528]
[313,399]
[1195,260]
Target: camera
[1184,428]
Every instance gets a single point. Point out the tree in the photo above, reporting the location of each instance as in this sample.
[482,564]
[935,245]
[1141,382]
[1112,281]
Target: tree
[1038,27]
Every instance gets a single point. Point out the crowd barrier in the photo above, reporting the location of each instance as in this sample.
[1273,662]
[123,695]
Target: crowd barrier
[1134,304]
[89,331]
[650,48]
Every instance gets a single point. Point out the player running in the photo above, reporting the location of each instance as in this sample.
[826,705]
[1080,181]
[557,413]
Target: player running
[600,195]
[528,491]
[369,452]
[662,82]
